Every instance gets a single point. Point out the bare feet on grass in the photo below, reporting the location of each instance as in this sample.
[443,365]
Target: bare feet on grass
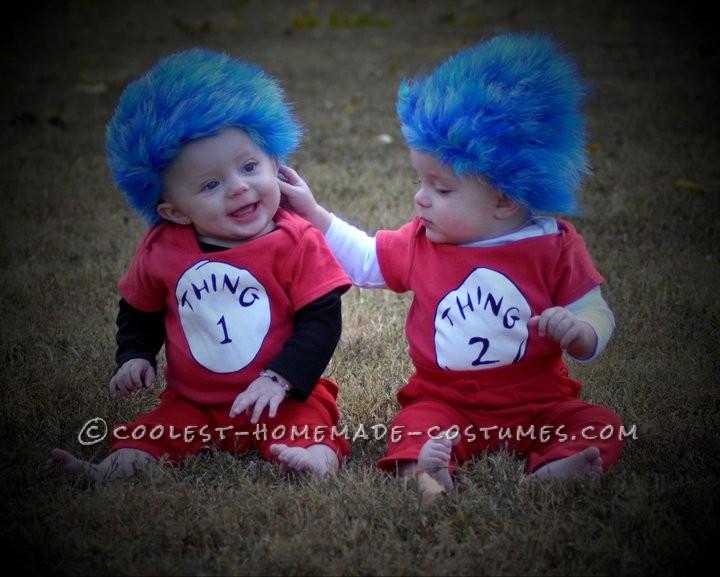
[585,462]
[432,469]
[434,458]
[73,468]
[317,459]
[121,464]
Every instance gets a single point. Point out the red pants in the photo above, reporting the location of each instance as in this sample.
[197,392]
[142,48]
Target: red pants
[177,427]
[541,433]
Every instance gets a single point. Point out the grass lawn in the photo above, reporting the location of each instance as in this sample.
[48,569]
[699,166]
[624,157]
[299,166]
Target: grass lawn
[651,210]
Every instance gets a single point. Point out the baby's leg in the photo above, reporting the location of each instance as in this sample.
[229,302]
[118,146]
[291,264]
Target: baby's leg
[319,459]
[576,449]
[121,464]
[585,462]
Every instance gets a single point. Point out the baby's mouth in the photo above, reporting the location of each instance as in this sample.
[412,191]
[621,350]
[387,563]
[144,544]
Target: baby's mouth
[244,211]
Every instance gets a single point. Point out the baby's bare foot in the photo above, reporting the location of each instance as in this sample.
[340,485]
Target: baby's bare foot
[318,459]
[73,468]
[585,462]
[121,464]
[432,470]
[434,459]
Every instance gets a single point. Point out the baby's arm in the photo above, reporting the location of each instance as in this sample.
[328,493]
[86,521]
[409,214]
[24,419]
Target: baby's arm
[140,337]
[356,252]
[354,249]
[583,328]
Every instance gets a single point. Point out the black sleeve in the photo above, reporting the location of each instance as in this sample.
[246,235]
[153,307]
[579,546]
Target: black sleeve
[307,353]
[140,335]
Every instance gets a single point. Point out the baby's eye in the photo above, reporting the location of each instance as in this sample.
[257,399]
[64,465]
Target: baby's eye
[250,166]
[211,185]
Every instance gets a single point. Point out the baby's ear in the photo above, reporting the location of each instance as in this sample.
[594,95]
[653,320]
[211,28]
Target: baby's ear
[506,206]
[167,211]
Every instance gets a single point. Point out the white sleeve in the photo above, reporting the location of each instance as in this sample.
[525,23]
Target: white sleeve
[355,251]
[593,309]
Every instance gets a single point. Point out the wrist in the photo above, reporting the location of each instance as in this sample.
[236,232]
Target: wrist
[321,219]
[584,347]
[280,380]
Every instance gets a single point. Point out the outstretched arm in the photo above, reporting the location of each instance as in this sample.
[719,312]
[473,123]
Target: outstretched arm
[353,248]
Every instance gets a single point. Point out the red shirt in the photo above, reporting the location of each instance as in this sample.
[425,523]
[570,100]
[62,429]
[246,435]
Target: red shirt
[228,314]
[467,325]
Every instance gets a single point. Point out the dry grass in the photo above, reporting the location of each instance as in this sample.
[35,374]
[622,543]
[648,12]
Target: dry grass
[651,221]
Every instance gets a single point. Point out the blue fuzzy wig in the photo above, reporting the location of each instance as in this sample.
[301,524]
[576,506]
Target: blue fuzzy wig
[190,95]
[508,109]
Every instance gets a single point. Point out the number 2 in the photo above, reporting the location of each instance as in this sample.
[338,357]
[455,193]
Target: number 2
[485,345]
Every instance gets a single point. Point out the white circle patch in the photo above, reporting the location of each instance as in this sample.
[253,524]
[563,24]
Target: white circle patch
[225,314]
[482,324]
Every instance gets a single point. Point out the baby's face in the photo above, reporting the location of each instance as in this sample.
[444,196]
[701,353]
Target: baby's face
[225,186]
[454,209]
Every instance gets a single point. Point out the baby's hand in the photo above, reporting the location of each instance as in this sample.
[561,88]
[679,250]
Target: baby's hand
[262,393]
[298,198]
[574,336]
[132,376]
